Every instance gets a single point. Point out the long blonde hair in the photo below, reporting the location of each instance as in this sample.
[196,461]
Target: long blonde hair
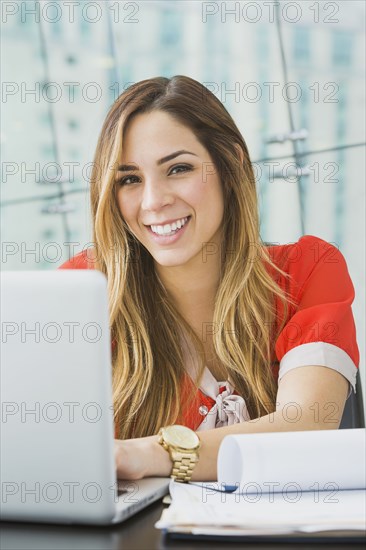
[148,363]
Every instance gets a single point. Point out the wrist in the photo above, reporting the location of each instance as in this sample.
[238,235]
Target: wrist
[159,462]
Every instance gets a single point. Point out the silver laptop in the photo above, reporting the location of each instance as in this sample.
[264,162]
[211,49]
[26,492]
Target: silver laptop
[57,431]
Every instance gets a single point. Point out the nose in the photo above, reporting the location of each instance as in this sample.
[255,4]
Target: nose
[155,195]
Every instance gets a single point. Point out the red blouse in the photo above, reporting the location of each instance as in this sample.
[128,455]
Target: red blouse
[320,330]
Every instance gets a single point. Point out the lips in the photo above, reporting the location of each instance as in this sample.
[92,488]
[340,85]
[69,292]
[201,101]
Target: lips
[169,239]
[173,227]
[166,222]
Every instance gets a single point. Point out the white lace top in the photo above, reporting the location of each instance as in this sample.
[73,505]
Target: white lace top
[229,409]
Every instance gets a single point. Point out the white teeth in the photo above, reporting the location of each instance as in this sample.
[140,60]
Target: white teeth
[168,228]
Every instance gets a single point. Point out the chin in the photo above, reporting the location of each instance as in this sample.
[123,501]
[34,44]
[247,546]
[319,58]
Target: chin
[171,259]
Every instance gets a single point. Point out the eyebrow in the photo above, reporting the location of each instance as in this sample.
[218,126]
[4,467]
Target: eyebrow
[129,167]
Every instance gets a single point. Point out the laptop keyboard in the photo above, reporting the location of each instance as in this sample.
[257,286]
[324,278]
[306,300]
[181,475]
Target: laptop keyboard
[126,487]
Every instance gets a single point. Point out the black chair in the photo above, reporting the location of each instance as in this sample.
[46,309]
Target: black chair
[353,414]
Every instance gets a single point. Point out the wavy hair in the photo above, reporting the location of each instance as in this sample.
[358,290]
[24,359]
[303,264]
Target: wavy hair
[146,327]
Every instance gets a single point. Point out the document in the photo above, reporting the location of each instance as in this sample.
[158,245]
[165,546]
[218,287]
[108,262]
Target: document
[277,483]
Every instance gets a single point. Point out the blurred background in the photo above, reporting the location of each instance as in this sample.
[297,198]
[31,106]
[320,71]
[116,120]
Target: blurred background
[291,74]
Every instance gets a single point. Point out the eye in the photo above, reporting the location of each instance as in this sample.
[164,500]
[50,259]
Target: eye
[180,167]
[185,167]
[124,181]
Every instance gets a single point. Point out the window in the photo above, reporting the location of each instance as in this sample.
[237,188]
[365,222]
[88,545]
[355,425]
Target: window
[342,48]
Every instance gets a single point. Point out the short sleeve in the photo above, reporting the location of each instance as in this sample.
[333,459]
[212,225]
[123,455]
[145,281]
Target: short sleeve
[80,261]
[322,330]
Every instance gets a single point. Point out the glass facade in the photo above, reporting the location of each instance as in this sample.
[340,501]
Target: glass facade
[290,73]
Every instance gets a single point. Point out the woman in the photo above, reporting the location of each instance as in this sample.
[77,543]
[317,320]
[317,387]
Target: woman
[211,328]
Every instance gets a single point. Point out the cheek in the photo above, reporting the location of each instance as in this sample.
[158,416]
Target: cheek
[124,206]
[211,195]
[203,193]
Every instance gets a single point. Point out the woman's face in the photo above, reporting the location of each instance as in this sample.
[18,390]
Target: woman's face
[155,190]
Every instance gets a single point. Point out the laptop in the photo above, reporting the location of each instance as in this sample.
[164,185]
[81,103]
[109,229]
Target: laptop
[57,429]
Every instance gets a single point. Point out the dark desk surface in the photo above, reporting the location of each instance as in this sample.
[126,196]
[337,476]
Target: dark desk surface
[137,533]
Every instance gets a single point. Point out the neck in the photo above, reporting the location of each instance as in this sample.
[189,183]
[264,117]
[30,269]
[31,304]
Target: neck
[193,288]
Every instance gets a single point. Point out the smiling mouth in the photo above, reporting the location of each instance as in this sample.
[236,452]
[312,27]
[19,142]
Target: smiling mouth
[167,230]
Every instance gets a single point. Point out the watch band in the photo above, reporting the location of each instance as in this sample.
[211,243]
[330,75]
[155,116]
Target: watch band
[183,465]
[184,460]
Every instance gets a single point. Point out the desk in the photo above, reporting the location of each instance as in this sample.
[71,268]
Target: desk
[137,533]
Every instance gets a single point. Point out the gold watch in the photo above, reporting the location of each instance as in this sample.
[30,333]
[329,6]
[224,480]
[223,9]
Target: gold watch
[182,444]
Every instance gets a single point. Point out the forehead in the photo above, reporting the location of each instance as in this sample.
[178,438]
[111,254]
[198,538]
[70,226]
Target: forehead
[157,133]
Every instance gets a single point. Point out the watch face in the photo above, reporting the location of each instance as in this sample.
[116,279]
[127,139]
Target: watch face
[180,436]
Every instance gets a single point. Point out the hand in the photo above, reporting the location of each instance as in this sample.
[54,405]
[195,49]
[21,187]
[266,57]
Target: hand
[141,457]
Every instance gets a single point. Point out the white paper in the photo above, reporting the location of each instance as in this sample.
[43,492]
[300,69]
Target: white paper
[291,461]
[200,507]
[285,482]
